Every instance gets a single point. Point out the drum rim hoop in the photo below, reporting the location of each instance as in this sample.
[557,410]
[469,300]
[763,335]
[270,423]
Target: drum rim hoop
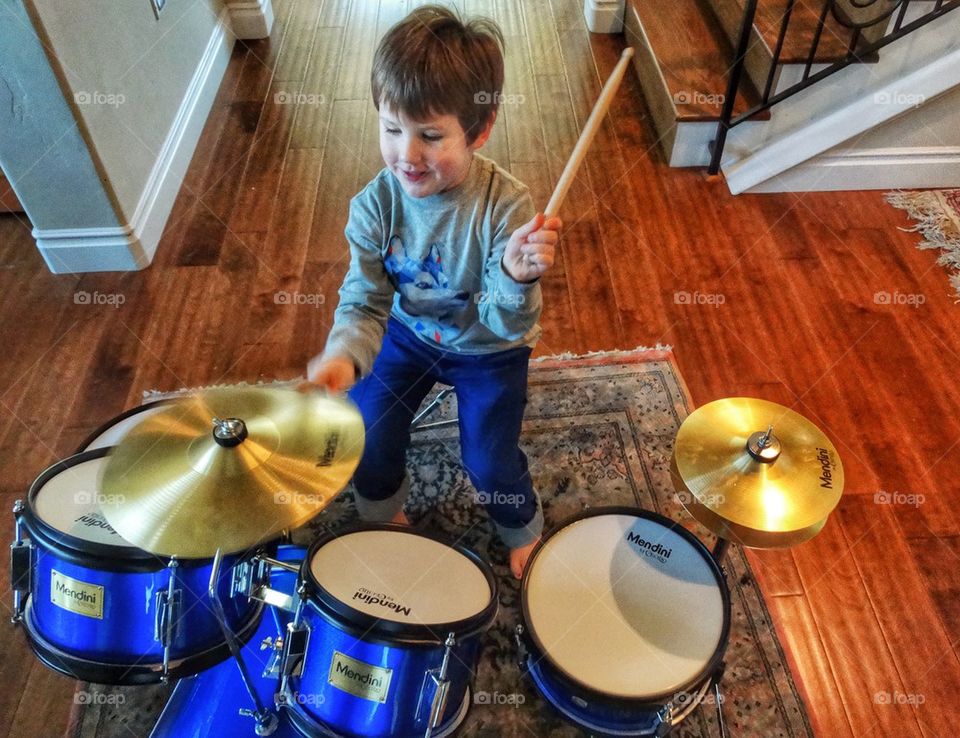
[107,425]
[712,666]
[389,630]
[100,556]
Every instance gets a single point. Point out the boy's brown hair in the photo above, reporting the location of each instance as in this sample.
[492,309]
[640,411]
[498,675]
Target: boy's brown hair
[432,63]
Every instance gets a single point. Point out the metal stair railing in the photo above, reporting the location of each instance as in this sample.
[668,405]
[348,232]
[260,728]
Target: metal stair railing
[859,19]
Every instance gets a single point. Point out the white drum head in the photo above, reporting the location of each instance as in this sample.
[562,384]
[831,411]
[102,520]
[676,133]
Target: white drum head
[624,606]
[401,577]
[70,502]
[116,432]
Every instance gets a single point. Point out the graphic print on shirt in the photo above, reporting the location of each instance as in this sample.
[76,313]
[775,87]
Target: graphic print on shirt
[425,291]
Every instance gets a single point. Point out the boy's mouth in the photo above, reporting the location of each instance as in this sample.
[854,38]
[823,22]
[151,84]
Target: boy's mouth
[413,177]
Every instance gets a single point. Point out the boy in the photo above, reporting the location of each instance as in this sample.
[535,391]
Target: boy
[446,249]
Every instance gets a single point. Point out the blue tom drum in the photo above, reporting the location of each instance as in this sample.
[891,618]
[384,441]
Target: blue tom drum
[626,617]
[96,608]
[387,634]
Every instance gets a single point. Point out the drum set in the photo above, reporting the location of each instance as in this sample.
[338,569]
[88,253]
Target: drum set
[160,552]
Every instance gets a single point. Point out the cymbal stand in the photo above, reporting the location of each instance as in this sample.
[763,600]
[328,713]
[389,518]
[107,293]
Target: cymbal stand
[266,721]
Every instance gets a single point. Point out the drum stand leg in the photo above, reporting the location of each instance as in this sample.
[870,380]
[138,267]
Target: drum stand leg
[417,422]
[719,700]
[266,720]
[720,549]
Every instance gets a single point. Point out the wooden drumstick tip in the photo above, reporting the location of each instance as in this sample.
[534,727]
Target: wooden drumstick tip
[627,53]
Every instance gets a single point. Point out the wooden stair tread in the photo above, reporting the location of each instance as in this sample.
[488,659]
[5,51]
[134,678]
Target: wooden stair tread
[834,39]
[693,57]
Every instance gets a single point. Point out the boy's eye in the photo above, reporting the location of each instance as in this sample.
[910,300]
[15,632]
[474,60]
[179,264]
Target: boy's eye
[431,137]
[393,131]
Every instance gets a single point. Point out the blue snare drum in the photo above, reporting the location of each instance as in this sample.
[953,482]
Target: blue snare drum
[387,636]
[626,617]
[96,608]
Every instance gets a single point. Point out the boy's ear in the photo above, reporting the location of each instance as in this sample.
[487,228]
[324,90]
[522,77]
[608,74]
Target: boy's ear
[481,139]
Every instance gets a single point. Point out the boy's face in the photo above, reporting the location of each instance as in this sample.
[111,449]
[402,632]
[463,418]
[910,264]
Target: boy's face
[426,156]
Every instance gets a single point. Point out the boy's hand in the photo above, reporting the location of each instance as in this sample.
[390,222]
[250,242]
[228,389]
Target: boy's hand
[335,373]
[531,248]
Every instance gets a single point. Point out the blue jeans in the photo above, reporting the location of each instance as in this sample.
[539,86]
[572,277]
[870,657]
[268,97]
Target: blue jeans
[491,395]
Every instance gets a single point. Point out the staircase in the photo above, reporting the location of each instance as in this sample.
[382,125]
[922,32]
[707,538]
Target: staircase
[865,126]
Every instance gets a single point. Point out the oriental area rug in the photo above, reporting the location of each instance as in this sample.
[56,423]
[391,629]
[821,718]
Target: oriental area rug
[598,431]
[937,216]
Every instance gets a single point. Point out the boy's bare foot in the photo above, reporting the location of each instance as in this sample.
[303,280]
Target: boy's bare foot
[519,558]
[400,518]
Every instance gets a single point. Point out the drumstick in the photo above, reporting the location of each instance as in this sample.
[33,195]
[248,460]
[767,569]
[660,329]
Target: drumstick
[589,131]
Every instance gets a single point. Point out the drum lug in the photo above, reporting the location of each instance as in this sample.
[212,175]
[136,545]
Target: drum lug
[666,721]
[442,685]
[294,649]
[167,622]
[21,566]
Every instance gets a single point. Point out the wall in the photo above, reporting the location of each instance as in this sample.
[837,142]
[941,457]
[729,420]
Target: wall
[126,73]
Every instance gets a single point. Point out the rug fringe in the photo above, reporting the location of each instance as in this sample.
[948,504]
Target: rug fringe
[155,394]
[613,354]
[933,222]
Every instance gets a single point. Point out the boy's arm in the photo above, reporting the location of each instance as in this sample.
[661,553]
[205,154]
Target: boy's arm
[507,307]
[366,294]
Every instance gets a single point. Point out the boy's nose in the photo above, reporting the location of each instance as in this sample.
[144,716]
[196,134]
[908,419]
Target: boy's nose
[410,151]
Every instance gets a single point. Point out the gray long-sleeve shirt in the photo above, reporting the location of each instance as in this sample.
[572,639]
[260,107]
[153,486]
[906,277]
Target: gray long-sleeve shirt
[434,264]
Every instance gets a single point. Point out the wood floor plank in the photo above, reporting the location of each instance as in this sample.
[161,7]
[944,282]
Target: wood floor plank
[341,166]
[852,637]
[801,640]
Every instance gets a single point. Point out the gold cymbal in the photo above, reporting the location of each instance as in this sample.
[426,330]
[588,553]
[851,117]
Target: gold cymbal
[756,473]
[228,468]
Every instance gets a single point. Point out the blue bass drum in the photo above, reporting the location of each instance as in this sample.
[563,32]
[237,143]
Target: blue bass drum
[626,617]
[387,637]
[98,609]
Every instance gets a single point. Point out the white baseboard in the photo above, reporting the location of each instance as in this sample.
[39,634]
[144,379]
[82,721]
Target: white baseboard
[251,19]
[604,16]
[132,247]
[872,169]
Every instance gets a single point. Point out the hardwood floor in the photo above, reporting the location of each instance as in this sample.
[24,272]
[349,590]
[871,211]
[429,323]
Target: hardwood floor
[783,305]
